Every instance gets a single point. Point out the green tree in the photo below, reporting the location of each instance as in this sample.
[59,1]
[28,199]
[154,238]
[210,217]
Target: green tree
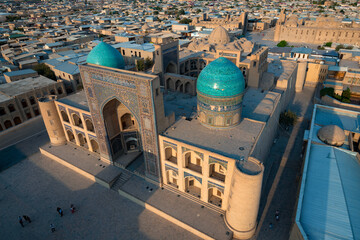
[288,118]
[140,65]
[185,21]
[44,70]
[338,47]
[198,11]
[148,63]
[282,43]
[328,44]
[327,91]
[181,12]
[346,95]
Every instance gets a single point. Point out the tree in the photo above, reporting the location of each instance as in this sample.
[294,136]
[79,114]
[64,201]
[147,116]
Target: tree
[44,70]
[282,43]
[328,44]
[185,21]
[346,95]
[181,12]
[327,91]
[288,118]
[140,65]
[198,11]
[338,47]
[148,63]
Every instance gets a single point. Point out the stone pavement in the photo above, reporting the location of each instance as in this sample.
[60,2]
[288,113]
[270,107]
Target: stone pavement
[191,213]
[36,186]
[283,174]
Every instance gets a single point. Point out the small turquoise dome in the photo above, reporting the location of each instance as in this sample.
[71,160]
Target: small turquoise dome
[221,78]
[106,55]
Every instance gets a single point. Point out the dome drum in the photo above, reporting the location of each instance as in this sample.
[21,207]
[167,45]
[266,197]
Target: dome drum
[220,90]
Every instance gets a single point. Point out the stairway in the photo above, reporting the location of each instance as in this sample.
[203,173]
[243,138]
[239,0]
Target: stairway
[124,177]
[194,199]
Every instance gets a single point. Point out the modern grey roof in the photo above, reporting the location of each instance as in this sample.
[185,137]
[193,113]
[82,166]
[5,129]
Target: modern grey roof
[78,100]
[301,50]
[20,72]
[329,198]
[149,47]
[25,85]
[68,68]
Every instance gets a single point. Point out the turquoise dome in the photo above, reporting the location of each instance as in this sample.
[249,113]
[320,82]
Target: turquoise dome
[221,78]
[106,55]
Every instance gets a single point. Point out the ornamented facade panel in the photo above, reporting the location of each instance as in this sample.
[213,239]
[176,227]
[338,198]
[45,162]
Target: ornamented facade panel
[135,92]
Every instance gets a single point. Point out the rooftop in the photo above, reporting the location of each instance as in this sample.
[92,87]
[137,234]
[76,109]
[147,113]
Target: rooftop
[328,205]
[19,72]
[77,100]
[25,85]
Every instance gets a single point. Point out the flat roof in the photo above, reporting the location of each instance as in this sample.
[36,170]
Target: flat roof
[77,100]
[25,85]
[19,72]
[329,199]
[225,142]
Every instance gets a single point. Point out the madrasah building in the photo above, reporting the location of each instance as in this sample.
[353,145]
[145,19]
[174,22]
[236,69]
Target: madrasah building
[216,155]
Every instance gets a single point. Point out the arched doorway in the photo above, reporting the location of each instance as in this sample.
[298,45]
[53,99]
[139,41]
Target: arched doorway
[64,116]
[171,155]
[77,120]
[193,186]
[171,68]
[7,124]
[217,171]
[89,125]
[193,162]
[17,120]
[70,136]
[215,196]
[82,140]
[170,84]
[178,86]
[121,127]
[94,145]
[188,88]
[172,178]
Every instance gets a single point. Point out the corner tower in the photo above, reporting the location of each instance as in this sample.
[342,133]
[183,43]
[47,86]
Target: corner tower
[220,89]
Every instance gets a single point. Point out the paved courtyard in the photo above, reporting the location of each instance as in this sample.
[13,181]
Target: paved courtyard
[36,186]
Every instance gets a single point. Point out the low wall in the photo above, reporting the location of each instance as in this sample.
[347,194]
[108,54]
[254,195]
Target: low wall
[327,100]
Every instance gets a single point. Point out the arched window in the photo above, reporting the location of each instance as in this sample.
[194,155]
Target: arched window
[17,120]
[11,107]
[77,120]
[32,100]
[126,121]
[193,162]
[1,128]
[7,124]
[94,145]
[82,140]
[64,116]
[36,111]
[24,103]
[70,136]
[89,125]
[170,155]
[2,111]
[60,91]
[215,196]
[52,92]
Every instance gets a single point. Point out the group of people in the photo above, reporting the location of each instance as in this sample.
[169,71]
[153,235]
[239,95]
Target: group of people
[277,218]
[52,227]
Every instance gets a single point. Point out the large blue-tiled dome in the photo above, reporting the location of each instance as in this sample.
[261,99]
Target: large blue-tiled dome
[221,78]
[105,55]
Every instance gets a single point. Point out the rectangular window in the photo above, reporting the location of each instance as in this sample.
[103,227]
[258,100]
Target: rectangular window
[157,92]
[48,113]
[191,183]
[51,122]
[218,193]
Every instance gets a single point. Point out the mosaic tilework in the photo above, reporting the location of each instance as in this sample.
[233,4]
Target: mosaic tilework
[135,92]
[184,149]
[219,161]
[214,185]
[169,144]
[186,174]
[67,127]
[168,167]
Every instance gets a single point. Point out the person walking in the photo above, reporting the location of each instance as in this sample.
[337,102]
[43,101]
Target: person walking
[21,221]
[277,215]
[52,227]
[60,211]
[27,218]
[72,208]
